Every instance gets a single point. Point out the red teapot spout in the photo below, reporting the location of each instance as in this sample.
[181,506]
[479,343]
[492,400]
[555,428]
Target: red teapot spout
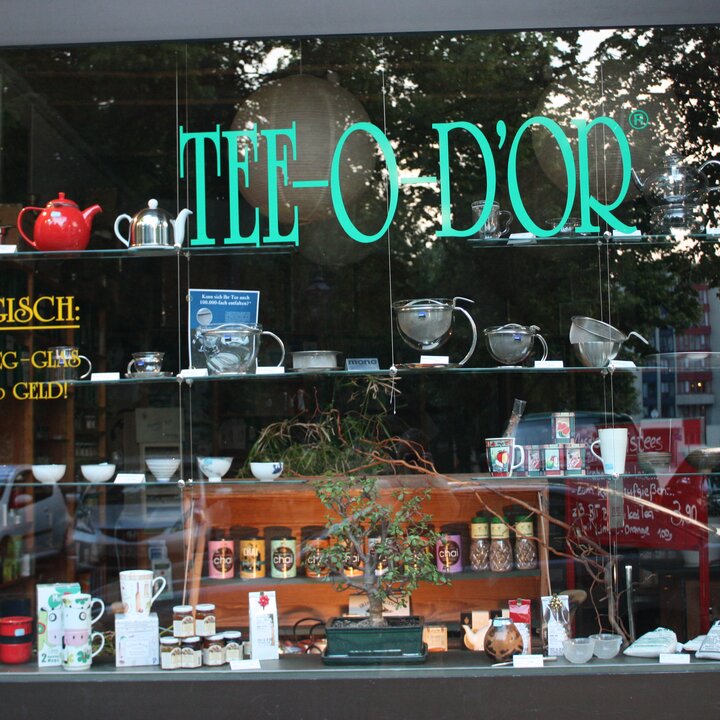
[90,212]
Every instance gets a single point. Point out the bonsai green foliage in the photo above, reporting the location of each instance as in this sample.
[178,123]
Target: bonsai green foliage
[389,540]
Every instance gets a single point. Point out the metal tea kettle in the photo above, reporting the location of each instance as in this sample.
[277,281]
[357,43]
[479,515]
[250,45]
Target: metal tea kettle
[153,227]
[676,182]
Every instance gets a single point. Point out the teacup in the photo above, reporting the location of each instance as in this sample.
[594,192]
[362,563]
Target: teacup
[497,223]
[502,454]
[566,227]
[136,591]
[146,362]
[63,363]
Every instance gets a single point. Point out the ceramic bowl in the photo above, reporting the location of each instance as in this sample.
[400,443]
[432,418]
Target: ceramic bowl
[213,468]
[266,471]
[578,650]
[607,645]
[48,474]
[163,467]
[100,473]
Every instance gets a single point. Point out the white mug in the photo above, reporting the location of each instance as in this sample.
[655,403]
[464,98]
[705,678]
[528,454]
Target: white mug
[136,591]
[613,448]
[77,648]
[77,611]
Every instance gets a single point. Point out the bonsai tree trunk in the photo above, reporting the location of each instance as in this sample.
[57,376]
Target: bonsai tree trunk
[375,611]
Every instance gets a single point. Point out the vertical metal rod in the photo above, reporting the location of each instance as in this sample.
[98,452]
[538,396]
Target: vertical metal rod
[630,604]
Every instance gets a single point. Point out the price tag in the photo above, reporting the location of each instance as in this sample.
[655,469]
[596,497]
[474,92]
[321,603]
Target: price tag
[129,478]
[104,376]
[548,364]
[362,364]
[434,359]
[245,665]
[193,372]
[7,249]
[526,661]
[674,659]
[269,370]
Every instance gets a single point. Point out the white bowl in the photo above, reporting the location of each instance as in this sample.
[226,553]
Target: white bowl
[578,650]
[607,645]
[48,474]
[266,471]
[100,473]
[163,467]
[214,467]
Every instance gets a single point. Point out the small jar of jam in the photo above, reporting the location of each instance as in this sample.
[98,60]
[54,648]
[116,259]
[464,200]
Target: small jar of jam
[191,652]
[183,621]
[205,620]
[213,650]
[170,653]
[233,645]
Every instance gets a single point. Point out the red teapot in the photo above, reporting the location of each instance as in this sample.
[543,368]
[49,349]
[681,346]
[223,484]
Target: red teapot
[61,225]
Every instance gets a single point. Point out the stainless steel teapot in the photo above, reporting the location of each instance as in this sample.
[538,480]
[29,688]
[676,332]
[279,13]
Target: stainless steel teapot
[153,227]
[676,182]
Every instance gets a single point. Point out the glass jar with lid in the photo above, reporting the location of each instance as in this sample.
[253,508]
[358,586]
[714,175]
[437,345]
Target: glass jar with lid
[501,551]
[526,556]
[480,542]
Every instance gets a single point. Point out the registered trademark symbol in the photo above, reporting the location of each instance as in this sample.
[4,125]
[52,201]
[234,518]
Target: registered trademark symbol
[638,119]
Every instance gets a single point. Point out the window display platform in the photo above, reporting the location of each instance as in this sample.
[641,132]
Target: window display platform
[449,685]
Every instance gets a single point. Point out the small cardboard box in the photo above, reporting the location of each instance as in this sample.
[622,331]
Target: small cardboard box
[137,640]
[263,626]
[49,621]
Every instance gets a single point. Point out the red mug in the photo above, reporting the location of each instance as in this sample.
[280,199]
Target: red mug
[15,639]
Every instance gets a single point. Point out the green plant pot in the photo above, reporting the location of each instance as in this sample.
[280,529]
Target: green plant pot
[351,643]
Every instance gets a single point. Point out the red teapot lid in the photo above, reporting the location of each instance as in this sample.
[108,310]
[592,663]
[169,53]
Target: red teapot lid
[62,201]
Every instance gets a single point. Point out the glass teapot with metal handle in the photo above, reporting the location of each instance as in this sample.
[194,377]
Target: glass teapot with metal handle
[676,182]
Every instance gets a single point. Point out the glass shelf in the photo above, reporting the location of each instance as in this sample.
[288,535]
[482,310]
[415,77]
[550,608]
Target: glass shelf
[122,253]
[618,241]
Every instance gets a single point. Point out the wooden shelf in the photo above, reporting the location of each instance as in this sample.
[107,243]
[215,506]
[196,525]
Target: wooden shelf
[275,509]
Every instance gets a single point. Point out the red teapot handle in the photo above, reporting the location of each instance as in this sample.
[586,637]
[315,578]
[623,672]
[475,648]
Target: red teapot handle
[19,225]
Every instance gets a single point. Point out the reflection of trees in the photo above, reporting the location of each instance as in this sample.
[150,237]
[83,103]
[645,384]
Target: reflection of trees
[121,99]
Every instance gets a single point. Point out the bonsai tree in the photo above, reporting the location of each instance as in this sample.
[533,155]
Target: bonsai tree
[382,547]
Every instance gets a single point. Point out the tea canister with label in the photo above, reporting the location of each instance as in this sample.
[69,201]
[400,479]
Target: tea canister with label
[252,558]
[283,557]
[501,552]
[221,556]
[563,427]
[448,553]
[479,542]
[312,549]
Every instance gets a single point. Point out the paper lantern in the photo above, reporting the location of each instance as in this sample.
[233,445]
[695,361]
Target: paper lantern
[321,111]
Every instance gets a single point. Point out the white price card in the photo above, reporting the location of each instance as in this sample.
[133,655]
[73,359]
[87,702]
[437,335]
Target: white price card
[129,478]
[434,359]
[104,376]
[269,370]
[193,372]
[527,661]
[245,665]
[674,659]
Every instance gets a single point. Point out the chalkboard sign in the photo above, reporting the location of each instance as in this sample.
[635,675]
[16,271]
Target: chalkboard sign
[644,522]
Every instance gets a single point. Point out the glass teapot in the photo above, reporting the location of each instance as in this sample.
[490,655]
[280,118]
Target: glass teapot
[676,182]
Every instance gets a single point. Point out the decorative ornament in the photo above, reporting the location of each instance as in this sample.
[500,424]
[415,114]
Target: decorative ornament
[321,111]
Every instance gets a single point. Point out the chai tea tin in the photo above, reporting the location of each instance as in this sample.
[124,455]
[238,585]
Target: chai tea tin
[252,558]
[283,557]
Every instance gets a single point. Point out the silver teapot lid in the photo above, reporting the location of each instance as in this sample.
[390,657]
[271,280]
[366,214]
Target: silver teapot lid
[152,226]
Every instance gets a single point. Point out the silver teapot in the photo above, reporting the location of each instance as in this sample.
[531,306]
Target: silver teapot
[676,182]
[153,227]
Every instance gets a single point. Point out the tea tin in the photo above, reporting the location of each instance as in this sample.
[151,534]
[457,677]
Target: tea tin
[563,427]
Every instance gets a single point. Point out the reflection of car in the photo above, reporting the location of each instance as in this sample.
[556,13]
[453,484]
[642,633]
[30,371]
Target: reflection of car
[122,527]
[33,518]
